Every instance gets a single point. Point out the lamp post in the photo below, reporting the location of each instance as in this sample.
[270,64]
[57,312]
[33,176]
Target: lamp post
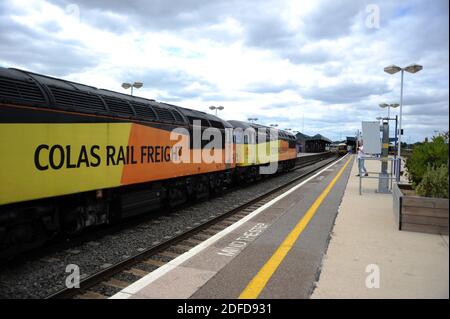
[136,85]
[220,108]
[392,69]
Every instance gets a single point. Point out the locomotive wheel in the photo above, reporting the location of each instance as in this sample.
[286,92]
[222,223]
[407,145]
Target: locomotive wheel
[22,237]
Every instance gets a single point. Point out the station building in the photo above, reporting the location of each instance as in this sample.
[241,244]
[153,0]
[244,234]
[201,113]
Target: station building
[312,144]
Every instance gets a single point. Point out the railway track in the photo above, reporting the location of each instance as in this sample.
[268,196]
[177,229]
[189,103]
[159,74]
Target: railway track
[108,281]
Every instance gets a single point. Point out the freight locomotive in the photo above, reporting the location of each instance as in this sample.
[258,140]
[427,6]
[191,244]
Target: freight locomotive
[74,156]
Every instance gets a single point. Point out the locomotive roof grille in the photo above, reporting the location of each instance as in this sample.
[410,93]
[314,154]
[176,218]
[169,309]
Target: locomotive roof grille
[203,122]
[23,87]
[12,90]
[177,116]
[77,100]
[144,110]
[216,124]
[118,106]
[164,114]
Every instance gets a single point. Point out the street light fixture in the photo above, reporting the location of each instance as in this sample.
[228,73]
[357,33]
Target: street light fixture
[392,69]
[220,108]
[252,119]
[384,105]
[136,85]
[413,68]
[274,125]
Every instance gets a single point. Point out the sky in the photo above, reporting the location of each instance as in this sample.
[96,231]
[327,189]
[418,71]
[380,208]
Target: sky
[312,66]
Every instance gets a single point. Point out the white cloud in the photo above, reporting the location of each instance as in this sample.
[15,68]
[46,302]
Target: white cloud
[281,61]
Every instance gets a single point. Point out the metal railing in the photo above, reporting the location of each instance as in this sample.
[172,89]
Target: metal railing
[392,174]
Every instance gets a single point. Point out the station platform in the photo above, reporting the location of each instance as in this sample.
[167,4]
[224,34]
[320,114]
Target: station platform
[366,241]
[320,239]
[229,264]
[308,154]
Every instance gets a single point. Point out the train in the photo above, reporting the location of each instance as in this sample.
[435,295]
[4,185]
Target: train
[342,149]
[339,149]
[75,156]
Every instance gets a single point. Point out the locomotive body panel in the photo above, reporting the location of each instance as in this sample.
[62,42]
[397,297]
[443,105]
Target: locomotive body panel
[41,160]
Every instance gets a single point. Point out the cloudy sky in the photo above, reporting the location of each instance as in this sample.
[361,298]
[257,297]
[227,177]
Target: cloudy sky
[311,65]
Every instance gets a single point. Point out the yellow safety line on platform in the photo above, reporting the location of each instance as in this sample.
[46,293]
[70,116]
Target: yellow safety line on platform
[258,282]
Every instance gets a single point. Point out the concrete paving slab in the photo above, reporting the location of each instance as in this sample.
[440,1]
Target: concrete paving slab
[180,283]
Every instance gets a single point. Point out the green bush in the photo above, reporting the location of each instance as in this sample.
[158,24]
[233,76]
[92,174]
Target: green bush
[429,154]
[434,182]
